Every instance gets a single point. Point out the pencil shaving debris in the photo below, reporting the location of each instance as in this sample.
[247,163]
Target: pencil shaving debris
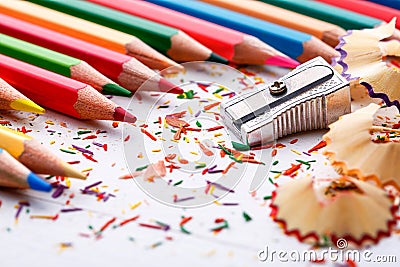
[361,59]
[337,208]
[352,151]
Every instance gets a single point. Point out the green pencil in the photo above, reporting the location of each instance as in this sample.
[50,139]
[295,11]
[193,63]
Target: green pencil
[346,19]
[59,63]
[167,40]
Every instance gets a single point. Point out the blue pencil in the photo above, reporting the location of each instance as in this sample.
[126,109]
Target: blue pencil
[390,3]
[14,174]
[293,43]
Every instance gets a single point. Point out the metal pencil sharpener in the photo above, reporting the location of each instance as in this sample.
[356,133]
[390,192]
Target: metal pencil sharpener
[310,97]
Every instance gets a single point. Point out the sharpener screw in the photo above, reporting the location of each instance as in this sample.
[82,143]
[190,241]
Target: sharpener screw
[277,88]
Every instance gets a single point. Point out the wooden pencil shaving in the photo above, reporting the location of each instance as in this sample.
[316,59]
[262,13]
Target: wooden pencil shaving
[362,53]
[334,209]
[358,148]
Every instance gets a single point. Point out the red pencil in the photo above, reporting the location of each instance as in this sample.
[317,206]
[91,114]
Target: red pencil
[125,70]
[367,8]
[237,47]
[60,93]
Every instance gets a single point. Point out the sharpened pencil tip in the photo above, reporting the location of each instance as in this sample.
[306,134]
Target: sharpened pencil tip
[167,86]
[27,106]
[36,183]
[115,89]
[282,61]
[121,114]
[71,172]
[217,58]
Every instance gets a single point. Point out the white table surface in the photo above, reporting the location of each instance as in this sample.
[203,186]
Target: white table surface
[37,242]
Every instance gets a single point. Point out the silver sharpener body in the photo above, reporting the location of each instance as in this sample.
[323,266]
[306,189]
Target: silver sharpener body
[310,97]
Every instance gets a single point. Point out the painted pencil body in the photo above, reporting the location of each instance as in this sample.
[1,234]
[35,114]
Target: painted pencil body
[368,8]
[127,71]
[169,41]
[237,47]
[33,155]
[87,31]
[60,93]
[10,98]
[59,63]
[297,45]
[389,3]
[327,32]
[14,174]
[346,19]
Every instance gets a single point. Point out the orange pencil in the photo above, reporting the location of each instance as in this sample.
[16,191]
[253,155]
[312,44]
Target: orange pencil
[87,31]
[127,71]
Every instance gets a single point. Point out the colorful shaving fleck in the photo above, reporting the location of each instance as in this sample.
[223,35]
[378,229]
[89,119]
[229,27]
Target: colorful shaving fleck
[134,206]
[221,187]
[152,137]
[47,217]
[317,146]
[152,226]
[59,189]
[240,147]
[91,190]
[128,221]
[89,157]
[210,106]
[292,169]
[176,199]
[67,151]
[20,206]
[71,210]
[83,150]
[182,224]
[246,217]
[223,225]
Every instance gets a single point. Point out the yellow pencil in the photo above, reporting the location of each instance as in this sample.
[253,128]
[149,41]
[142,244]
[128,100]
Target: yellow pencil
[10,98]
[34,155]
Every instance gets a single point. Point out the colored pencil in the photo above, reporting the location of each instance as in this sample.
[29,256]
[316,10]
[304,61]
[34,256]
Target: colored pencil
[297,45]
[341,17]
[390,3]
[327,32]
[59,63]
[35,156]
[10,98]
[237,47]
[60,93]
[87,31]
[368,8]
[167,40]
[14,174]
[127,71]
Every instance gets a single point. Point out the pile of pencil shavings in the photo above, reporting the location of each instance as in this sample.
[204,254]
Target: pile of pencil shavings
[359,206]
